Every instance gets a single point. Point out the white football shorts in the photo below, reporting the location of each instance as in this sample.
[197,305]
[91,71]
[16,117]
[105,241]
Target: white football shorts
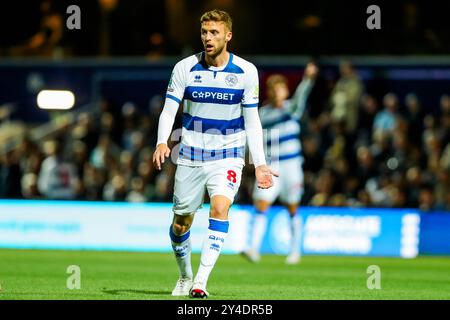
[288,186]
[222,177]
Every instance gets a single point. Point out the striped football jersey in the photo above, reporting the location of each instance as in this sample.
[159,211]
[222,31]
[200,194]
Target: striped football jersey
[213,99]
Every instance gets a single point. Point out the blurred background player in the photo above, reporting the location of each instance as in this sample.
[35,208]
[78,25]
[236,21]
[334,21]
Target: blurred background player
[58,178]
[220,93]
[280,119]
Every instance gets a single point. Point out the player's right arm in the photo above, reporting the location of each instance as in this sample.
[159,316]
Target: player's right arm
[298,102]
[174,95]
[254,132]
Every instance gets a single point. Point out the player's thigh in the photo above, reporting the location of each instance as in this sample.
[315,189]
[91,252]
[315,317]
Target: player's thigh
[224,178]
[291,187]
[189,190]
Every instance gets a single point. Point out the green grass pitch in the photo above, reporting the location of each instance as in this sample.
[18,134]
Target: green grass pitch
[41,274]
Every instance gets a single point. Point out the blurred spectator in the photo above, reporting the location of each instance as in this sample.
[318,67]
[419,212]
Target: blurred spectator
[386,120]
[367,112]
[116,188]
[86,131]
[57,177]
[346,96]
[47,40]
[338,200]
[79,157]
[137,193]
[164,184]
[414,179]
[313,158]
[105,151]
[10,175]
[378,189]
[433,152]
[366,166]
[93,182]
[430,129]
[414,116]
[323,187]
[442,188]
[445,159]
[444,117]
[427,200]
[400,154]
[29,186]
[364,200]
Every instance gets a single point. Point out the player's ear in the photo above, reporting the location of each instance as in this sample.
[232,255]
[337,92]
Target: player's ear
[229,35]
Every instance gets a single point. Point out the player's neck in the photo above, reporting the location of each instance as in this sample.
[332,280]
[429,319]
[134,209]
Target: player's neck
[277,104]
[218,61]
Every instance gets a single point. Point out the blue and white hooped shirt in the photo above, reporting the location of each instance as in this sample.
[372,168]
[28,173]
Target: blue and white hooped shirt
[282,125]
[213,101]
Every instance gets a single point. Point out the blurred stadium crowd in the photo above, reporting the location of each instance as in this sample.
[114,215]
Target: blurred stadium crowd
[359,150]
[166,27]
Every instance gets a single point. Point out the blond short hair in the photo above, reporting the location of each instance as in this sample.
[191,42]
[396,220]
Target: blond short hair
[276,79]
[217,15]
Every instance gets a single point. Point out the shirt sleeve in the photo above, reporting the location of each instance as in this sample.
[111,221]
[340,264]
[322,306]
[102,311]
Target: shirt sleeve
[250,98]
[298,102]
[177,84]
[174,95]
[254,133]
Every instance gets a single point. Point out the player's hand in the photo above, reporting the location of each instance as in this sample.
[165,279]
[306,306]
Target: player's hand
[311,70]
[162,151]
[264,175]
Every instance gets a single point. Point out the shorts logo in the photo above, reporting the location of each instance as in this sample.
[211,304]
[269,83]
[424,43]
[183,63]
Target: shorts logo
[231,177]
[231,80]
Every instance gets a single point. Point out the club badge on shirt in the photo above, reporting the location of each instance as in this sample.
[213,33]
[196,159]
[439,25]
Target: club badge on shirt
[231,80]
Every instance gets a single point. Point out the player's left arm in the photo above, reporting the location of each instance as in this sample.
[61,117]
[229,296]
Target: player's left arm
[298,102]
[253,130]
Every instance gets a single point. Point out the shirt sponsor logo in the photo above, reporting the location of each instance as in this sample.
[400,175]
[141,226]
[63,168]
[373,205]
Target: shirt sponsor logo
[213,95]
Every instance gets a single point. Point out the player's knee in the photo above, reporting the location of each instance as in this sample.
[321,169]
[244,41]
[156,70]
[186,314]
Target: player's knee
[181,226]
[262,206]
[219,211]
[292,209]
